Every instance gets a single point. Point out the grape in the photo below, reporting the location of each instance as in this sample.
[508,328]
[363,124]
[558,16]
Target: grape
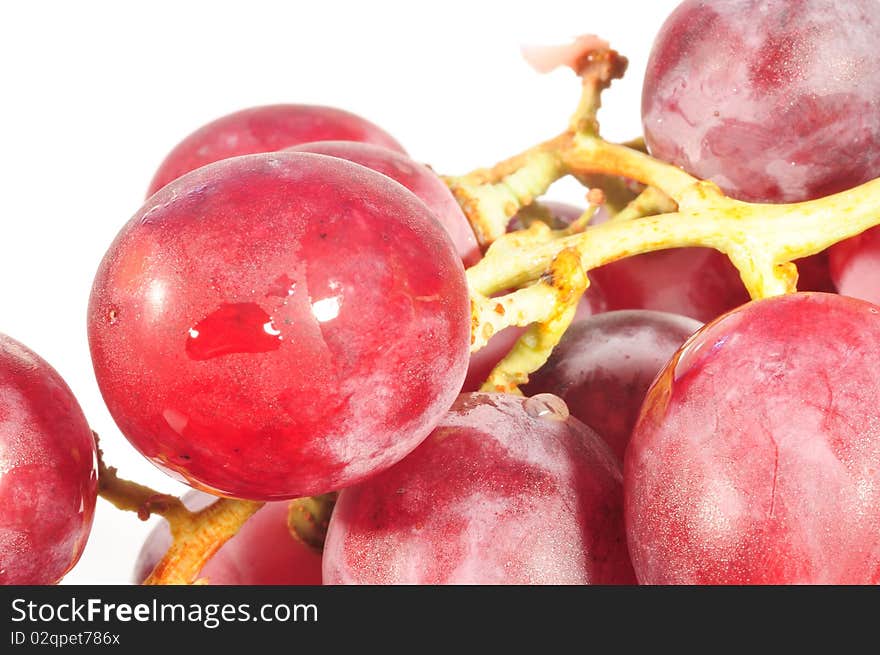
[48,471]
[416,177]
[773,101]
[505,490]
[603,366]
[756,458]
[279,325]
[855,266]
[263,552]
[265,129]
[697,282]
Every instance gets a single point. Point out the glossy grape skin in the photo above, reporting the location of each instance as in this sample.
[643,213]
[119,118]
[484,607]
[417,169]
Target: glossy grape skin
[494,496]
[855,266]
[416,177]
[757,455]
[604,365]
[48,471]
[266,129]
[279,325]
[773,101]
[263,552]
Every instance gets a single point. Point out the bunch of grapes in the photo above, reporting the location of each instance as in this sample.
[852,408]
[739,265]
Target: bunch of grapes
[373,374]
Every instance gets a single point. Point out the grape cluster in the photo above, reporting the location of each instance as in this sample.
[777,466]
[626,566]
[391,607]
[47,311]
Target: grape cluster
[293,312]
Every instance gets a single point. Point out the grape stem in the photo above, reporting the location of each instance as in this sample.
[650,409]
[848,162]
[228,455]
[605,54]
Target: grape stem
[675,210]
[309,518]
[650,202]
[196,535]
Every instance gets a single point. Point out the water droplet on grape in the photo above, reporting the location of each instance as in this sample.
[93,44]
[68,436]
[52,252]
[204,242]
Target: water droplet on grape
[233,328]
[547,406]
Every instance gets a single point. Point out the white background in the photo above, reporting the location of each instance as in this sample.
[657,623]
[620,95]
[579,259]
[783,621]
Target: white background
[96,93]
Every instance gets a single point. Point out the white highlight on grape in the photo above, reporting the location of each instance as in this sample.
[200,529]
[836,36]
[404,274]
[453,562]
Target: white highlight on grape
[326,309]
[156,294]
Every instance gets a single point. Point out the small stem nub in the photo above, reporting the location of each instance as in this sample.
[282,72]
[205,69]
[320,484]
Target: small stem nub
[308,519]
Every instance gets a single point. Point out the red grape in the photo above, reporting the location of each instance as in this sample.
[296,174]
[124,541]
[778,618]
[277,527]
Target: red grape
[279,325]
[416,177]
[265,129]
[262,553]
[48,471]
[696,282]
[855,266]
[505,490]
[603,366]
[755,458]
[774,101]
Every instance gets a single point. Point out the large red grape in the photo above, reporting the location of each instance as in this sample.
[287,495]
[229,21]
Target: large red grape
[756,458]
[604,364]
[416,177]
[263,552]
[265,129]
[48,471]
[506,490]
[774,101]
[279,325]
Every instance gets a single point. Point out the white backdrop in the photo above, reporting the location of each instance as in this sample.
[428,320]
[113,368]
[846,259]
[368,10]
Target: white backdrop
[96,93]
